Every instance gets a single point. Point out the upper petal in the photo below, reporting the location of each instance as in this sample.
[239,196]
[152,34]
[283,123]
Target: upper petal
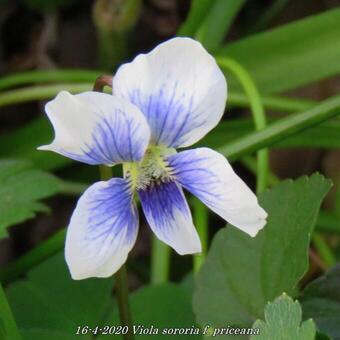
[97,128]
[168,215]
[208,175]
[179,88]
[102,230]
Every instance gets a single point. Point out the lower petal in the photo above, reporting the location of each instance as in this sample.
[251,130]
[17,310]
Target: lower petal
[208,175]
[102,230]
[168,215]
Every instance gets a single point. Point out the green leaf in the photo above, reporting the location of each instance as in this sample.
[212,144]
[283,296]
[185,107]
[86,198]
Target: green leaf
[21,188]
[48,76]
[209,21]
[23,143]
[217,22]
[198,11]
[162,306]
[290,56]
[321,301]
[281,129]
[283,321]
[49,302]
[241,274]
[40,92]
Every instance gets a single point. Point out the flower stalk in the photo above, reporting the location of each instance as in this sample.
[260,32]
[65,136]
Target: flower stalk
[160,261]
[201,222]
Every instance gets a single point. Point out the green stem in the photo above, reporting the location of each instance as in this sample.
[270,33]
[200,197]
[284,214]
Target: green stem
[38,254]
[10,327]
[323,250]
[201,224]
[50,76]
[122,291]
[41,92]
[160,261]
[281,129]
[258,114]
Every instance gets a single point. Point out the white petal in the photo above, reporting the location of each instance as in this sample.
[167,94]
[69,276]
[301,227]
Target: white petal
[168,215]
[97,128]
[208,175]
[179,88]
[102,230]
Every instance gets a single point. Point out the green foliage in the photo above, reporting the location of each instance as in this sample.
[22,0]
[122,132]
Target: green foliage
[241,274]
[290,56]
[209,21]
[162,306]
[23,143]
[196,15]
[283,322]
[50,305]
[325,135]
[321,301]
[282,128]
[21,188]
[48,76]
[212,30]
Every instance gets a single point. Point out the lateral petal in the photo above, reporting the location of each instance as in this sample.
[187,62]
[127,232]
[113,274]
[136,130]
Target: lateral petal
[97,128]
[208,175]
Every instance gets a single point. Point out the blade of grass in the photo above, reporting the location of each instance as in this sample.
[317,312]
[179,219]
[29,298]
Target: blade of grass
[33,257]
[216,23]
[197,13]
[40,92]
[50,76]
[290,56]
[282,129]
[10,328]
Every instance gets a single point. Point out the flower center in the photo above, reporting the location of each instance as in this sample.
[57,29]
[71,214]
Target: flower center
[151,170]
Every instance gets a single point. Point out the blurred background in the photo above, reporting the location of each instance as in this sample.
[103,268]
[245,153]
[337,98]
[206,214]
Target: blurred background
[100,35]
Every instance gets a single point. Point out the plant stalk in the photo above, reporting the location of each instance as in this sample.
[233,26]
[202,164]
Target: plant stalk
[201,222]
[258,113]
[8,324]
[160,261]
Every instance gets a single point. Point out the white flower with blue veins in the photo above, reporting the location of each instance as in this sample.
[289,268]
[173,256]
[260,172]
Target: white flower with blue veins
[166,99]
